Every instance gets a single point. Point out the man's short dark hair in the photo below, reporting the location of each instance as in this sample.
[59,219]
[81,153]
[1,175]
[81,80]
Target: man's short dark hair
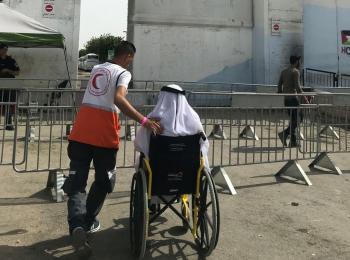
[3,45]
[124,48]
[294,59]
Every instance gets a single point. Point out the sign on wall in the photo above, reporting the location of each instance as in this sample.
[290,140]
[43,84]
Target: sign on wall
[345,39]
[49,8]
[276,27]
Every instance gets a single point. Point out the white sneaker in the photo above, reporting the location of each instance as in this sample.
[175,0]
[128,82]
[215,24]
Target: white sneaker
[94,227]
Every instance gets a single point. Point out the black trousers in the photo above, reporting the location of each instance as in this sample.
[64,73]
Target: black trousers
[296,117]
[82,208]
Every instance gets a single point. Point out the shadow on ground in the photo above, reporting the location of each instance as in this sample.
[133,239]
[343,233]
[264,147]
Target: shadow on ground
[44,197]
[112,243]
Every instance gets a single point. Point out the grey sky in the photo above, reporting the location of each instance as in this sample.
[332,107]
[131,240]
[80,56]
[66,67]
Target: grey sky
[102,16]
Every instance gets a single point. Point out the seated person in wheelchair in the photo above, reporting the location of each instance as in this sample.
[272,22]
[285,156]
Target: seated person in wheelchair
[174,169]
[177,118]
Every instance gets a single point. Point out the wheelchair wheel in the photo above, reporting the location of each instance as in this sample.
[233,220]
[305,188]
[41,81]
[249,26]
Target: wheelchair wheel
[218,211]
[208,223]
[138,214]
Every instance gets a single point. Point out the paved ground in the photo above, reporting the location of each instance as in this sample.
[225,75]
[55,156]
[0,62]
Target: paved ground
[258,223]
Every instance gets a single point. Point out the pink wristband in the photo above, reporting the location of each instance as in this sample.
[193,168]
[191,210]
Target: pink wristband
[144,121]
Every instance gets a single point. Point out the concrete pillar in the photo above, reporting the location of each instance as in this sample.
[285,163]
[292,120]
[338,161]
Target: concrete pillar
[260,41]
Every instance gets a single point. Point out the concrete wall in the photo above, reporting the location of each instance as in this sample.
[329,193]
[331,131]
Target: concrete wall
[49,63]
[271,52]
[261,41]
[324,21]
[228,41]
[290,13]
[192,40]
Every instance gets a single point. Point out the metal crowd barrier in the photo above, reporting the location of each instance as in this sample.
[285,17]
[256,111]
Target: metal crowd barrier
[321,78]
[7,110]
[317,78]
[43,83]
[135,84]
[345,81]
[200,86]
[249,128]
[243,128]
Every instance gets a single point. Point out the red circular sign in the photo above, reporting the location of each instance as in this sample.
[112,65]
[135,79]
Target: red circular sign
[276,27]
[48,8]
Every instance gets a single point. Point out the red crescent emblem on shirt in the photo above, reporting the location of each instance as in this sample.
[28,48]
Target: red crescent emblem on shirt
[99,83]
[94,80]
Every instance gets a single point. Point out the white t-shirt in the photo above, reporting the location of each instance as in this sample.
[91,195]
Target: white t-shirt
[97,121]
[124,79]
[104,80]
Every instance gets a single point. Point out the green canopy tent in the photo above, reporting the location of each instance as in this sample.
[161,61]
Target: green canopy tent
[19,30]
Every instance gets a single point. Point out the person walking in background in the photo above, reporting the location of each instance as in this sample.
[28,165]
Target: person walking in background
[8,69]
[289,83]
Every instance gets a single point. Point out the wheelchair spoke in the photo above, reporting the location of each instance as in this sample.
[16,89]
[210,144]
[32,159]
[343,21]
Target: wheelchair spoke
[209,221]
[203,197]
[206,231]
[203,241]
[205,189]
[208,205]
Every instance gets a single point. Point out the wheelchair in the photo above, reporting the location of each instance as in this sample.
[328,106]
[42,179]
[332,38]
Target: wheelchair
[174,173]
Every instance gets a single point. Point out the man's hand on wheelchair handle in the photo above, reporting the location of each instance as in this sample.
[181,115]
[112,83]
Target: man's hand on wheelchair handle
[153,125]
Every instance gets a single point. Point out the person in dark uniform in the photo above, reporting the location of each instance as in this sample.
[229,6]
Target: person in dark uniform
[8,69]
[289,83]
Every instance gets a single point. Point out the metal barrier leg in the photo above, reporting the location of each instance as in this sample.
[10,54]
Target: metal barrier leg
[30,134]
[55,182]
[130,133]
[322,161]
[329,131]
[217,133]
[300,135]
[222,180]
[294,170]
[249,133]
[69,128]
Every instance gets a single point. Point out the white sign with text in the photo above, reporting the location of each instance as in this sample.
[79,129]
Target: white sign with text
[49,8]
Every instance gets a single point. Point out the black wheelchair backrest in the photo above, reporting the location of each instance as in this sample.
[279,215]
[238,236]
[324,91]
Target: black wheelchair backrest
[174,162]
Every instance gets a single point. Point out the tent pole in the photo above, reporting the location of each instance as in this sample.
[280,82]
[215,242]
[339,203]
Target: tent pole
[66,60]
[69,79]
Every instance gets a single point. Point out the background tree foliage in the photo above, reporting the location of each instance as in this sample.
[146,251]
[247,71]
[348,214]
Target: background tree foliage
[82,52]
[101,45]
